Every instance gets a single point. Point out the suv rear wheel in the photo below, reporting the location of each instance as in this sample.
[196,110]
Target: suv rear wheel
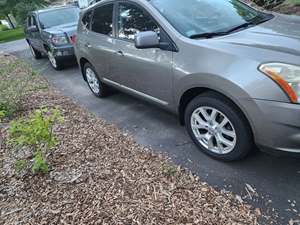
[55,62]
[97,87]
[218,128]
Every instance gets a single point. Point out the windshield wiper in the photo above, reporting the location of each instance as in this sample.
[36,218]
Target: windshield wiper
[207,35]
[244,25]
[213,34]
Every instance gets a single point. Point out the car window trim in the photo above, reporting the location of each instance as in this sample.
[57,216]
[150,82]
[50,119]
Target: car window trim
[116,25]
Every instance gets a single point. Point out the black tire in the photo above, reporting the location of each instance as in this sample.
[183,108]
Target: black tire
[55,62]
[244,138]
[104,90]
[35,53]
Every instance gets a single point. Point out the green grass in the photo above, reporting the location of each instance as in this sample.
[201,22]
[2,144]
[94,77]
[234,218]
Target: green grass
[293,2]
[11,35]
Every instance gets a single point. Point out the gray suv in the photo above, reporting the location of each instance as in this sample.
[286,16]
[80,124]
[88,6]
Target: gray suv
[230,72]
[52,31]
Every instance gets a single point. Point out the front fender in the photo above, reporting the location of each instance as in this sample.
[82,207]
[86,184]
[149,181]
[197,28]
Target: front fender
[238,94]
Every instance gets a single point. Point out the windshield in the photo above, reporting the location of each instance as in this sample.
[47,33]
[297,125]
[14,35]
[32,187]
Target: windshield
[196,17]
[58,17]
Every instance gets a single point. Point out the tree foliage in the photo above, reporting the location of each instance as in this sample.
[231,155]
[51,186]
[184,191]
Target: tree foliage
[20,8]
[268,3]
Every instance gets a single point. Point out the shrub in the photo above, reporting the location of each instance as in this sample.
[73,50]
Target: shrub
[2,114]
[35,132]
[3,27]
[17,81]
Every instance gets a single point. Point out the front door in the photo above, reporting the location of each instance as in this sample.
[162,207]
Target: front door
[36,36]
[148,71]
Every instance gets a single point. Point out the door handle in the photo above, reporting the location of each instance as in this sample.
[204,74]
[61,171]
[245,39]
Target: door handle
[88,45]
[120,53]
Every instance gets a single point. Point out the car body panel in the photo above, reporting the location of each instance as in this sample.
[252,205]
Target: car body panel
[148,71]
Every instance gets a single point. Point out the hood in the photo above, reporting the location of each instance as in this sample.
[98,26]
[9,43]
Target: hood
[70,29]
[280,35]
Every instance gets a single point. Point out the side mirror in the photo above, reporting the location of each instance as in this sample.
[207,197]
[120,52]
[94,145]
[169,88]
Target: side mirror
[147,39]
[32,29]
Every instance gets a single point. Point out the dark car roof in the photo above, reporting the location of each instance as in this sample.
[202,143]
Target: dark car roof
[53,8]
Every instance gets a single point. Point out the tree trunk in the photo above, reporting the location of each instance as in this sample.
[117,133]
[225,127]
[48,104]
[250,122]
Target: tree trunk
[10,22]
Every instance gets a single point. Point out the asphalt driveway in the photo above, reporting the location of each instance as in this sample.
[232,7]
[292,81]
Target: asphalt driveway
[275,179]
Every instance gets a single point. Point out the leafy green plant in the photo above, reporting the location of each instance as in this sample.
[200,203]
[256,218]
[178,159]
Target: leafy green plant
[169,170]
[36,132]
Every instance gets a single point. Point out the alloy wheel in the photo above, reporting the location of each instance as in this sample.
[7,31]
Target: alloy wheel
[213,130]
[92,80]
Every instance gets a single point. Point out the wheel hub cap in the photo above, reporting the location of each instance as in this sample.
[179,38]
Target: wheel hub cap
[92,80]
[213,130]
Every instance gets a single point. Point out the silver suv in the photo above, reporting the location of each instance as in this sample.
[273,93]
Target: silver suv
[231,72]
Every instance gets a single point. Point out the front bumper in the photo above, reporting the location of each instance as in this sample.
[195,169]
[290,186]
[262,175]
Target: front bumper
[63,51]
[279,126]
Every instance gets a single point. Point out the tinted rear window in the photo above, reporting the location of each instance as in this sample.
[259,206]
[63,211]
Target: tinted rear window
[103,20]
[86,19]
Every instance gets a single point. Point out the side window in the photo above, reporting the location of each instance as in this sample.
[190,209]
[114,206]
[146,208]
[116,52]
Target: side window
[133,20]
[86,19]
[29,21]
[33,21]
[103,20]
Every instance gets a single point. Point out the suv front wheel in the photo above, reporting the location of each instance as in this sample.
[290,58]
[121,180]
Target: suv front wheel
[55,62]
[218,128]
[35,53]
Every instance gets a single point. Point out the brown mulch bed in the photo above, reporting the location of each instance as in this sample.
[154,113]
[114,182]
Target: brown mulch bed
[101,176]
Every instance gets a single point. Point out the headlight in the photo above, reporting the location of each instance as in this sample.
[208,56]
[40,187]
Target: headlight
[286,76]
[59,39]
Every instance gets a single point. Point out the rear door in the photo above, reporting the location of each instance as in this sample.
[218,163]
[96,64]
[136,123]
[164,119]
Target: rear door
[148,71]
[99,40]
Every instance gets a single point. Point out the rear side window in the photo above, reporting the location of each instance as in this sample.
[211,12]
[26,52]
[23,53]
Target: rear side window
[103,20]
[33,21]
[86,19]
